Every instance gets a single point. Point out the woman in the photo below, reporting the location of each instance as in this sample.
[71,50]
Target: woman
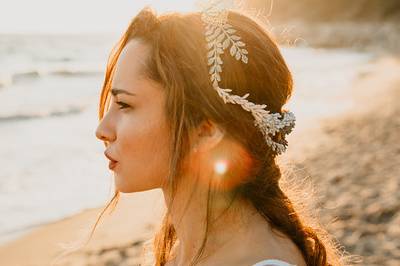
[166,124]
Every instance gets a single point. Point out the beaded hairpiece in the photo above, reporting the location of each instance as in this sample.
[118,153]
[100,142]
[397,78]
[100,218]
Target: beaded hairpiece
[219,36]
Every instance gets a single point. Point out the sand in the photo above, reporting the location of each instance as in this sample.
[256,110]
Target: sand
[355,165]
[121,228]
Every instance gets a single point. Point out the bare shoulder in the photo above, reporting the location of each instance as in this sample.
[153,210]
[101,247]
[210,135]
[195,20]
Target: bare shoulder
[249,252]
[293,258]
[268,244]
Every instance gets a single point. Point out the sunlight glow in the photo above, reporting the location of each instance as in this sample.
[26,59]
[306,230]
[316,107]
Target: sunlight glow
[221,167]
[75,16]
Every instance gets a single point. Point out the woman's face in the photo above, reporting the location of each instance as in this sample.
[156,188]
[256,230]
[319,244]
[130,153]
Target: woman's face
[135,127]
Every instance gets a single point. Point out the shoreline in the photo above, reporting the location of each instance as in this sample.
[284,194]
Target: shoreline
[43,244]
[350,62]
[40,244]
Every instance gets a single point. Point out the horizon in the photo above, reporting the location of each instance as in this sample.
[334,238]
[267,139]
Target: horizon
[34,18]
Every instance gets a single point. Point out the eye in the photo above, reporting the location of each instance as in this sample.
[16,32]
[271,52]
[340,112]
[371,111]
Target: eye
[123,105]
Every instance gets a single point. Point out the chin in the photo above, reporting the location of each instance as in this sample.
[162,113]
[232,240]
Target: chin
[133,190]
[124,187]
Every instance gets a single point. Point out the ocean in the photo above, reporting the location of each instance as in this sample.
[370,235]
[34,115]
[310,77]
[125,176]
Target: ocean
[51,164]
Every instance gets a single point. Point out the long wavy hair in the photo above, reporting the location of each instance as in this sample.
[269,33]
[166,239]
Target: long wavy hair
[178,61]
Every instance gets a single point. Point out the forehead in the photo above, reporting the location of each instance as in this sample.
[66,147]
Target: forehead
[131,65]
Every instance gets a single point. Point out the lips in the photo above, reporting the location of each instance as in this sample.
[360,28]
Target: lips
[112,162]
[112,165]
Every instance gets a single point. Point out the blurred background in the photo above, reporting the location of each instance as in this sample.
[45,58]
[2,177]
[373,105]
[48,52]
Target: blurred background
[344,57]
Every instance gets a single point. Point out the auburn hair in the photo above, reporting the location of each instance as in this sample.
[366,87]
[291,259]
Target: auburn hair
[178,61]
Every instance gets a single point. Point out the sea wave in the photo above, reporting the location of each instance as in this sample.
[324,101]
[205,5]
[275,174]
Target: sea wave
[70,110]
[68,72]
[7,80]
[19,76]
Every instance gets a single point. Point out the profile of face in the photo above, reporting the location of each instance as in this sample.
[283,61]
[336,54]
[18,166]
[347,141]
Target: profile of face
[135,127]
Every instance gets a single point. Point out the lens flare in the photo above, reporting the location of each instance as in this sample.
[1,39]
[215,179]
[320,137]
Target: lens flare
[223,168]
[220,167]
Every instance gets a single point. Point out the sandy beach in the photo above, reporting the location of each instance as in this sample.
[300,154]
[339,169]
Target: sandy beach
[122,228]
[354,163]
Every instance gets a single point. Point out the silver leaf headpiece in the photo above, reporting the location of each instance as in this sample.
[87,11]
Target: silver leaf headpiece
[220,35]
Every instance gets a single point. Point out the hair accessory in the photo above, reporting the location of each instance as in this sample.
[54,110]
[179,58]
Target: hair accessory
[219,36]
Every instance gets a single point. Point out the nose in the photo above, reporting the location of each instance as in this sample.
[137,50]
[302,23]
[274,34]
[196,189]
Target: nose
[104,131]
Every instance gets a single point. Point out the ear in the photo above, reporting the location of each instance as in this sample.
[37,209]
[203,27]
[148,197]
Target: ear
[208,135]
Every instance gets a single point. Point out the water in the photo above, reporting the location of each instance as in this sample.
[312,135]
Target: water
[51,164]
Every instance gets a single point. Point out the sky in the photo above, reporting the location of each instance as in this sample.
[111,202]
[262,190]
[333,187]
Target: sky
[77,16]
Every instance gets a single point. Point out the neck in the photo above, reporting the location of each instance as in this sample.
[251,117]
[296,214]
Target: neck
[189,221]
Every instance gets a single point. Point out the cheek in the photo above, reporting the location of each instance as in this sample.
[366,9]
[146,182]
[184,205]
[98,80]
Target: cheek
[143,151]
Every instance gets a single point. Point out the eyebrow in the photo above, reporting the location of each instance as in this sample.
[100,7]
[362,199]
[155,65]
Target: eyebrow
[116,91]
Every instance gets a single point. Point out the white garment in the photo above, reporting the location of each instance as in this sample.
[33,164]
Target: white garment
[272,263]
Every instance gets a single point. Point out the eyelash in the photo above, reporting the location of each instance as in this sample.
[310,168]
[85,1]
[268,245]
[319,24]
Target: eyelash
[122,105]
